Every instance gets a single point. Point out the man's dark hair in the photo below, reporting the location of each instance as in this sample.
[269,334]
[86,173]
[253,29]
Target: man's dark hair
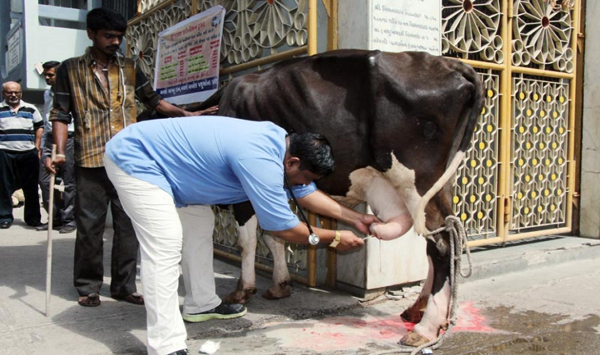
[51,64]
[105,19]
[314,152]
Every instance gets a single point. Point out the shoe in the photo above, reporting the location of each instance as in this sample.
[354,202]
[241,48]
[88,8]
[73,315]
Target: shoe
[223,311]
[67,229]
[5,225]
[134,298]
[37,224]
[180,352]
[91,300]
[44,227]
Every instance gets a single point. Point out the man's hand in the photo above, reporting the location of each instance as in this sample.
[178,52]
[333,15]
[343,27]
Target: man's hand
[209,111]
[52,165]
[364,222]
[349,241]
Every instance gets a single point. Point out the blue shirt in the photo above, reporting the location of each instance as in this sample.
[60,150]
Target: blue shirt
[212,160]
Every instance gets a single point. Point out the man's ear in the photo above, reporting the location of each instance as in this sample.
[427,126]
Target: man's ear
[91,34]
[291,162]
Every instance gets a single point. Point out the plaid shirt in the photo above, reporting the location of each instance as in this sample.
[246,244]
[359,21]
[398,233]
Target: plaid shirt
[99,115]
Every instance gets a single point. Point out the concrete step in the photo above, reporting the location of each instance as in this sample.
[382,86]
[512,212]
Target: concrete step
[528,254]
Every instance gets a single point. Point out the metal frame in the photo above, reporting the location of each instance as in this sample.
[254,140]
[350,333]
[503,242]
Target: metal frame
[505,167]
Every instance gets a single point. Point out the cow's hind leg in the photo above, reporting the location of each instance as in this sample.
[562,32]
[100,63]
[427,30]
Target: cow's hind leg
[436,312]
[246,286]
[414,313]
[281,276]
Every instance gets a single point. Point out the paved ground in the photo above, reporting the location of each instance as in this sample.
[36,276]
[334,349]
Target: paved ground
[528,298]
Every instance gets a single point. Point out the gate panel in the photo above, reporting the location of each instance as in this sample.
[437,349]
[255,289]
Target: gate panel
[529,45]
[539,148]
[476,186]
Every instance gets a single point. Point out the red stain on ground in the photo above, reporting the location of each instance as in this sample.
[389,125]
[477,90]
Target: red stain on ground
[342,333]
[470,320]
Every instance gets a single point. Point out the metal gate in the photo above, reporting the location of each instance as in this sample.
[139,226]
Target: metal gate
[518,179]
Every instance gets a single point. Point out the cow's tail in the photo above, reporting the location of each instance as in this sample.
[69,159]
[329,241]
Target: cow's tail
[472,115]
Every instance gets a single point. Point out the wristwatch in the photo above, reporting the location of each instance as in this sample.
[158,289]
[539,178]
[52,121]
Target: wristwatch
[336,241]
[313,239]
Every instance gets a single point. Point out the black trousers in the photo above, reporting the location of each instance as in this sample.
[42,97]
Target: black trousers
[64,208]
[20,169]
[94,193]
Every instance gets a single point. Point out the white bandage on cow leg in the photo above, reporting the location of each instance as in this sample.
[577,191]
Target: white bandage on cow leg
[247,246]
[281,274]
[436,313]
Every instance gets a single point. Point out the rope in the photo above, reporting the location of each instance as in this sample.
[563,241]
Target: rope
[458,241]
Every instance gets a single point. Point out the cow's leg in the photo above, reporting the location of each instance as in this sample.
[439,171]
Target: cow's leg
[414,313]
[436,312]
[437,309]
[246,285]
[436,291]
[281,275]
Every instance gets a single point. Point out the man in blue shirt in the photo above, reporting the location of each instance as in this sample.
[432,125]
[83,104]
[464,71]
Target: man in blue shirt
[160,165]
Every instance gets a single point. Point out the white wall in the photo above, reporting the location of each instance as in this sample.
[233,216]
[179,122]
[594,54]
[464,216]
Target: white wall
[44,43]
[590,163]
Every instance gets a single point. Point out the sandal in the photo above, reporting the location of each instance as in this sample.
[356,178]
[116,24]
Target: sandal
[91,300]
[134,298]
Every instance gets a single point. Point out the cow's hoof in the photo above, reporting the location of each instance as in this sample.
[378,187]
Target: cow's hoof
[277,292]
[242,297]
[413,339]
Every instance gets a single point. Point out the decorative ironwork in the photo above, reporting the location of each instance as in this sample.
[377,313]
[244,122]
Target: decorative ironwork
[226,235]
[472,26]
[142,36]
[252,26]
[542,35]
[476,185]
[539,157]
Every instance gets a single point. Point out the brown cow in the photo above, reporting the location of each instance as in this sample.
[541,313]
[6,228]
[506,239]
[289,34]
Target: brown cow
[402,118]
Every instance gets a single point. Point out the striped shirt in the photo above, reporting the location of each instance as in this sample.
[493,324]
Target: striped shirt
[98,115]
[17,127]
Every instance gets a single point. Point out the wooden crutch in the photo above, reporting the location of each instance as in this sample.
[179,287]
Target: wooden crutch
[49,247]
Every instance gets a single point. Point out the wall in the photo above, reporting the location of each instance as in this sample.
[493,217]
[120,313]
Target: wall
[44,43]
[590,162]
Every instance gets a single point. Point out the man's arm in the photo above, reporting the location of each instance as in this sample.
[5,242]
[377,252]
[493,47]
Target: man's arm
[320,203]
[60,134]
[38,139]
[38,126]
[60,116]
[166,108]
[262,181]
[299,235]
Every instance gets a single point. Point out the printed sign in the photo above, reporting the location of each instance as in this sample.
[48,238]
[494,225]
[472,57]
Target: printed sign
[187,58]
[398,26]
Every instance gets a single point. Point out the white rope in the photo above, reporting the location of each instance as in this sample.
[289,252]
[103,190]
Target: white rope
[458,241]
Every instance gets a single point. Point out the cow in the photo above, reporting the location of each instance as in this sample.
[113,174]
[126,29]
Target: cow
[398,122]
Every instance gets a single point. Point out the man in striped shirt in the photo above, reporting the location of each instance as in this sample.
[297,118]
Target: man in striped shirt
[20,135]
[97,91]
